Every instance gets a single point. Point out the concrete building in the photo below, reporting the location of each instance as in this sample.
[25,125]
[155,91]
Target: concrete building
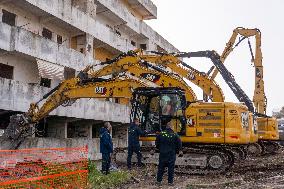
[43,42]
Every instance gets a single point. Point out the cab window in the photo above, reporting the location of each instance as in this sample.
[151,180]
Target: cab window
[170,104]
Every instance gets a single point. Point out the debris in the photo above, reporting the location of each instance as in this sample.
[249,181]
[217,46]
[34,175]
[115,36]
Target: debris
[257,172]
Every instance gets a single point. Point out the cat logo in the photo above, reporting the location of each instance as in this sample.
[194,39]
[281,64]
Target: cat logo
[100,90]
[255,126]
[245,119]
[151,77]
[191,75]
[190,122]
[233,112]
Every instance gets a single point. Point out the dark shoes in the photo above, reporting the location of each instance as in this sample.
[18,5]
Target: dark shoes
[171,184]
[141,165]
[158,183]
[104,172]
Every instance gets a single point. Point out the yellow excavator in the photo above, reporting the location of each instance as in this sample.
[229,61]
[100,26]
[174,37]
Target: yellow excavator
[137,63]
[212,91]
[204,127]
[181,70]
[267,126]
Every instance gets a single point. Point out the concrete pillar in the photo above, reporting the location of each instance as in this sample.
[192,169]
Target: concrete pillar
[151,46]
[89,46]
[33,131]
[90,131]
[91,9]
[1,13]
[65,129]
[127,135]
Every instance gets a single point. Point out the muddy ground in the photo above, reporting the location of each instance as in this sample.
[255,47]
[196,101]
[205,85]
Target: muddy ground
[256,172]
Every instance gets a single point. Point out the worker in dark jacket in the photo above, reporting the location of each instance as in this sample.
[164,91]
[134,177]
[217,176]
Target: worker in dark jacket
[168,144]
[134,132]
[106,147]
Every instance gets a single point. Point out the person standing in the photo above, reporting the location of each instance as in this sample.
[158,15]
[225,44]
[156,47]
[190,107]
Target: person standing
[134,132]
[106,147]
[169,144]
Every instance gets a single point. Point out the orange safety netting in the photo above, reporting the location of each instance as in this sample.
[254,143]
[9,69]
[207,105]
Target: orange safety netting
[44,168]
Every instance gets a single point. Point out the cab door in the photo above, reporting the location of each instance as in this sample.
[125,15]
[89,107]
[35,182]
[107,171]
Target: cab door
[172,109]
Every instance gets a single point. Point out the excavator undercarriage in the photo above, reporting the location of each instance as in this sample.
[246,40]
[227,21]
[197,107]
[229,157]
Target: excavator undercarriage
[193,160]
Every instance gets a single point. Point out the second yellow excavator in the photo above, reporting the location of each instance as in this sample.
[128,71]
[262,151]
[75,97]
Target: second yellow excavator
[267,126]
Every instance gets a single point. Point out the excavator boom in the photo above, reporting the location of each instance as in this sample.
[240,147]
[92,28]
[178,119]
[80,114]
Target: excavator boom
[267,126]
[66,93]
[259,98]
[227,76]
[145,71]
[179,70]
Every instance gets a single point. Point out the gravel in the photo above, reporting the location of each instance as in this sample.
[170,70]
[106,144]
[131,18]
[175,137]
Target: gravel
[254,172]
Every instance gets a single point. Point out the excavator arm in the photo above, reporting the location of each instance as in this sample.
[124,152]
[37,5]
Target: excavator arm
[259,98]
[209,86]
[70,90]
[179,70]
[267,126]
[227,76]
[146,72]
[64,94]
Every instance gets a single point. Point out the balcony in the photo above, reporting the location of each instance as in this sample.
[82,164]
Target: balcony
[75,19]
[148,32]
[25,42]
[145,7]
[5,37]
[62,12]
[108,36]
[17,96]
[116,11]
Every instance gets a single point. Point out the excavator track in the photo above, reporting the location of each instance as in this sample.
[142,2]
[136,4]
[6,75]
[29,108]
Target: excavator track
[254,149]
[218,160]
[270,147]
[199,160]
[239,152]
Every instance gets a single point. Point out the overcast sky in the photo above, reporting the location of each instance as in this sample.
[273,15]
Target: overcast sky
[192,25]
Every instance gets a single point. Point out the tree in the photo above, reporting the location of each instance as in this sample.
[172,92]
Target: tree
[279,114]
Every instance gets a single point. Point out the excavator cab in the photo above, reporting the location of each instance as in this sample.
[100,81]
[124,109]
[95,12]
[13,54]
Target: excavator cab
[155,107]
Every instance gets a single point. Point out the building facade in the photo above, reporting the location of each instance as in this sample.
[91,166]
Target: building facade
[43,42]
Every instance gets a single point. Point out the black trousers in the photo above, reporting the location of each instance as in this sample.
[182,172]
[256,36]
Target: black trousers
[136,150]
[166,160]
[105,162]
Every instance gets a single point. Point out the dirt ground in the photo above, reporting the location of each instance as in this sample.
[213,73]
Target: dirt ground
[256,172]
